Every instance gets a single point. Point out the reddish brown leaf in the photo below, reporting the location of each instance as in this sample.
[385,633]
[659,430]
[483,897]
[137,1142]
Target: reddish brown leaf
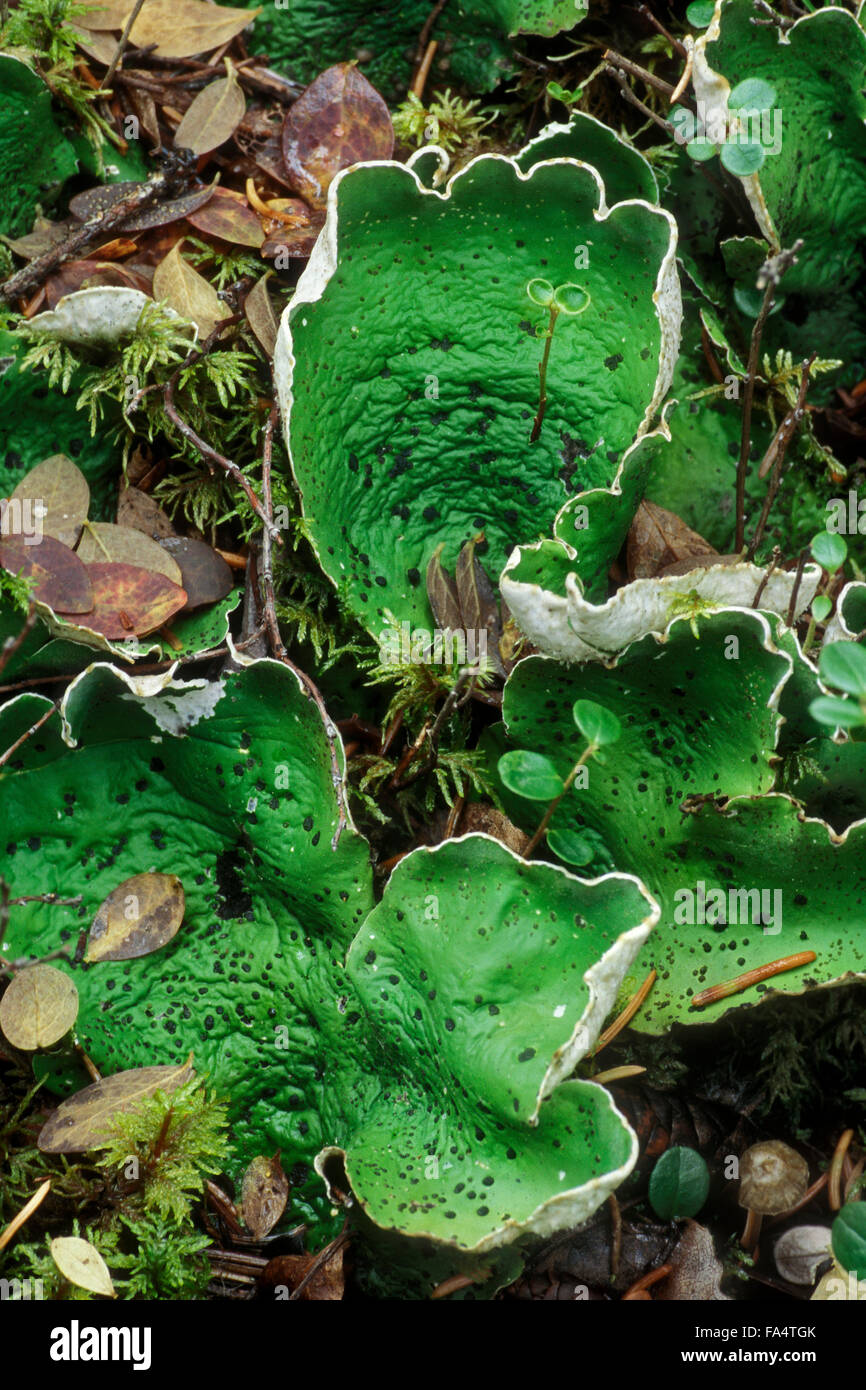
[287,1271]
[228,216]
[659,539]
[295,242]
[61,578]
[205,575]
[79,275]
[130,602]
[339,120]
[135,508]
[94,200]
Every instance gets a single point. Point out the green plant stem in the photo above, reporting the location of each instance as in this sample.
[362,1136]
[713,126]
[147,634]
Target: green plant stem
[546,819]
[542,374]
[748,397]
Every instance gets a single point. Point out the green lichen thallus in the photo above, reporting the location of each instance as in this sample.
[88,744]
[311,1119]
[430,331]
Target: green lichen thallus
[564,299]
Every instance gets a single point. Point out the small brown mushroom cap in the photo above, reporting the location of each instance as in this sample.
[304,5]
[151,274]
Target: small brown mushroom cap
[773,1178]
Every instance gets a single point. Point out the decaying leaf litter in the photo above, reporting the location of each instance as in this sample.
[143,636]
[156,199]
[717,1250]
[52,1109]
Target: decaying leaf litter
[431,621]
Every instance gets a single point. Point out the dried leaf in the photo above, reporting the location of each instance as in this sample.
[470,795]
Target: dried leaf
[478,604]
[442,593]
[214,115]
[95,200]
[339,120]
[60,576]
[138,510]
[184,28]
[44,237]
[101,541]
[187,292]
[287,1271]
[81,1263]
[130,602]
[79,275]
[144,107]
[141,915]
[264,1195]
[99,46]
[260,315]
[59,489]
[80,1123]
[228,215]
[295,242]
[205,575]
[104,14]
[657,539]
[38,1008]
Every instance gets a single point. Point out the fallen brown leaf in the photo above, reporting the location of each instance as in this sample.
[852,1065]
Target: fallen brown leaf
[659,538]
[339,120]
[80,1122]
[60,576]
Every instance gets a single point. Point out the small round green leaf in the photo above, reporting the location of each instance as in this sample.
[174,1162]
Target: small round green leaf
[841,714]
[541,292]
[848,1238]
[679,1184]
[830,550]
[821,607]
[530,775]
[843,665]
[701,149]
[596,723]
[700,14]
[571,299]
[753,94]
[571,846]
[743,158]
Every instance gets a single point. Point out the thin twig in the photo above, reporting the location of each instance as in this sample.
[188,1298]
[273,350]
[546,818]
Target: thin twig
[646,13]
[635,70]
[209,454]
[11,645]
[36,272]
[775,455]
[266,577]
[272,628]
[769,276]
[746,428]
[4,757]
[424,71]
[321,1259]
[792,606]
[766,576]
[424,36]
[636,102]
[121,45]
